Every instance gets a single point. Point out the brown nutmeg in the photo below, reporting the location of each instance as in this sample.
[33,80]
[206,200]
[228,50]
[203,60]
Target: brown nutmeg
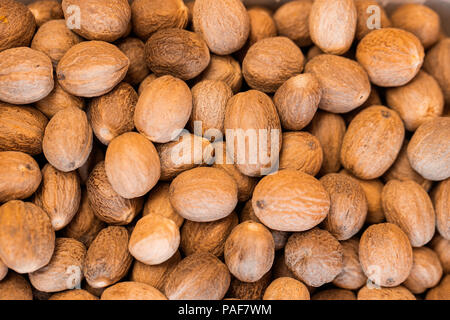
[348,208]
[365,10]
[376,293]
[240,290]
[290,200]
[20,26]
[15,287]
[200,276]
[68,140]
[385,254]
[46,10]
[314,256]
[158,203]
[58,100]
[226,69]
[207,236]
[107,259]
[292,21]
[352,276]
[428,149]
[297,100]
[270,62]
[20,176]
[345,84]
[224,24]
[392,57]
[334,294]
[176,52]
[59,195]
[372,142]
[249,251]
[262,25]
[436,65]
[149,79]
[407,204]
[134,50]
[441,202]
[441,246]
[332,25]
[286,289]
[71,295]
[440,292]
[301,151]
[65,269]
[27,239]
[130,290]
[112,114]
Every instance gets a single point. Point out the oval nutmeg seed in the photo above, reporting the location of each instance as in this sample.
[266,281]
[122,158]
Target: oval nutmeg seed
[436,64]
[352,276]
[395,293]
[285,288]
[132,165]
[365,10]
[58,100]
[292,21]
[15,287]
[441,246]
[158,203]
[440,292]
[129,290]
[206,184]
[385,254]
[290,200]
[224,24]
[441,202]
[226,69]
[46,10]
[262,26]
[372,142]
[134,49]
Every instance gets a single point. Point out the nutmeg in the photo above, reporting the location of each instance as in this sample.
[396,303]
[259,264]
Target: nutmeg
[71,295]
[15,287]
[226,69]
[46,10]
[441,246]
[58,100]
[149,79]
[240,290]
[440,292]
[292,21]
[365,10]
[286,289]
[334,294]
[441,202]
[262,25]
[158,203]
[395,293]
[435,64]
[352,276]
[130,290]
[134,50]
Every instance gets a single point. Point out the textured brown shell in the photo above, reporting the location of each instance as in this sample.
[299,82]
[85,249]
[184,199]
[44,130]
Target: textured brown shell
[26,77]
[134,49]
[46,10]
[314,256]
[193,194]
[407,204]
[249,290]
[224,24]
[112,114]
[59,195]
[71,295]
[200,276]
[163,109]
[207,236]
[385,254]
[441,202]
[130,290]
[158,203]
[352,276]
[262,25]
[348,208]
[58,100]
[250,112]
[55,39]
[436,64]
[20,176]
[27,239]
[372,142]
[68,140]
[290,200]
[106,204]
[108,24]
[365,15]
[297,101]
[301,151]
[345,84]
[332,25]
[270,62]
[65,269]
[441,246]
[395,293]
[20,25]
[392,57]
[424,93]
[249,251]
[15,287]
[132,165]
[176,52]
[334,294]
[92,68]
[440,292]
[155,275]
[149,16]
[292,21]
[286,289]
[107,259]
[428,150]
[329,129]
[226,69]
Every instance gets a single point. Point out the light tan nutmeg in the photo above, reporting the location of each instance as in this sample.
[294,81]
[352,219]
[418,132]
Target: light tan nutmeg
[65,269]
[82,73]
[332,25]
[46,10]
[15,287]
[428,150]
[270,62]
[27,75]
[352,276]
[163,109]
[292,21]
[58,100]
[377,293]
[385,254]
[27,239]
[154,239]
[345,84]
[158,203]
[372,142]
[441,202]
[200,276]
[134,49]
[106,24]
[436,64]
[297,101]
[149,79]
[112,114]
[334,294]
[241,290]
[224,24]
[73,295]
[286,289]
[226,69]
[314,256]
[193,194]
[132,165]
[130,290]
[176,52]
[249,251]
[392,57]
[367,18]
[290,200]
[59,195]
